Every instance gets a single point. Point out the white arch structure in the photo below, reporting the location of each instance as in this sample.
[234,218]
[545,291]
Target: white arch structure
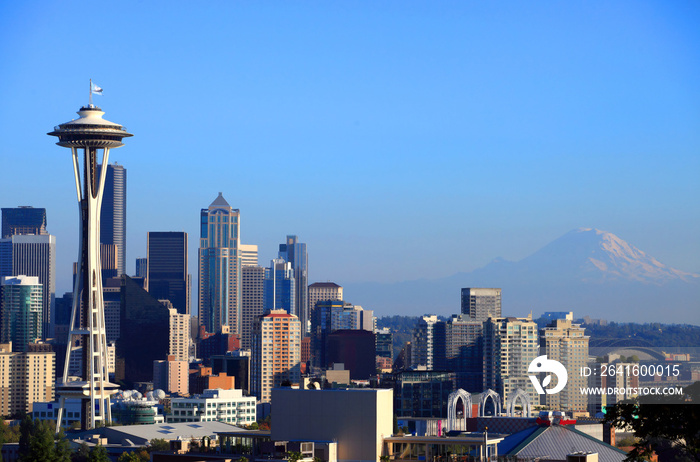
[452,408]
[524,400]
[495,397]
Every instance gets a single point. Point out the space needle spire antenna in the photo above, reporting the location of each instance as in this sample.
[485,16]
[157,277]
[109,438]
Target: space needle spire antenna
[88,136]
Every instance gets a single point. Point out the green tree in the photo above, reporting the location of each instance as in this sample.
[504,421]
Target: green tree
[668,426]
[128,457]
[294,456]
[158,444]
[82,454]
[62,449]
[2,434]
[26,430]
[133,456]
[98,454]
[38,442]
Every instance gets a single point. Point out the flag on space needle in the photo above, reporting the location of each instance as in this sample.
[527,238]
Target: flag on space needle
[94,89]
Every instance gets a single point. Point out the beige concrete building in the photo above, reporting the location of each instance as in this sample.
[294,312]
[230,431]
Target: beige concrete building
[510,345]
[172,376]
[323,291]
[180,338]
[566,342]
[357,419]
[249,255]
[26,377]
[276,353]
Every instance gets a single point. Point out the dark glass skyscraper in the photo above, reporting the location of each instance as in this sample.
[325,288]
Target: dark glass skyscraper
[280,287]
[294,252]
[23,220]
[167,277]
[147,337]
[113,216]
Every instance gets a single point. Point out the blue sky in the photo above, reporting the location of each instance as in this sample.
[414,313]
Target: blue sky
[399,140]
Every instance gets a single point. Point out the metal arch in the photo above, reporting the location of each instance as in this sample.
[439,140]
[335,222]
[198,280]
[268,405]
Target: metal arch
[495,397]
[452,408]
[524,400]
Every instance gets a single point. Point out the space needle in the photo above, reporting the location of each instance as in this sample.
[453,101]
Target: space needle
[86,136]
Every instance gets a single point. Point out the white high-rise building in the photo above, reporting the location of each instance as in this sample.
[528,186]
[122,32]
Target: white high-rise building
[214,405]
[510,345]
[567,343]
[423,343]
[180,337]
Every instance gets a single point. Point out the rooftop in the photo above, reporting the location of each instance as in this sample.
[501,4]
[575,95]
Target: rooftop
[142,434]
[555,443]
[220,201]
[332,285]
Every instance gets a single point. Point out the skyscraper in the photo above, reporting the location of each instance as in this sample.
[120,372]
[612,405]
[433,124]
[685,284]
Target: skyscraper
[113,216]
[323,291]
[25,378]
[276,352]
[252,301]
[179,335]
[567,343]
[510,345]
[141,267]
[167,277]
[333,315]
[20,311]
[294,252]
[249,255]
[427,344]
[147,337]
[481,304]
[23,220]
[33,255]
[219,267]
[280,287]
[464,352]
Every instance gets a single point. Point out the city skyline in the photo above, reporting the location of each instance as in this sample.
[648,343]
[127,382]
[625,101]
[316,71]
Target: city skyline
[475,131]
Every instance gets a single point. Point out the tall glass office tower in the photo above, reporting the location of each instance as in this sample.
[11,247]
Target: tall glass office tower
[294,252]
[33,255]
[113,216]
[167,277]
[220,267]
[280,287]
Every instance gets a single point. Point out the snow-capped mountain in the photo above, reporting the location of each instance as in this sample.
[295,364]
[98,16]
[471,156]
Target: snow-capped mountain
[591,255]
[588,271]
